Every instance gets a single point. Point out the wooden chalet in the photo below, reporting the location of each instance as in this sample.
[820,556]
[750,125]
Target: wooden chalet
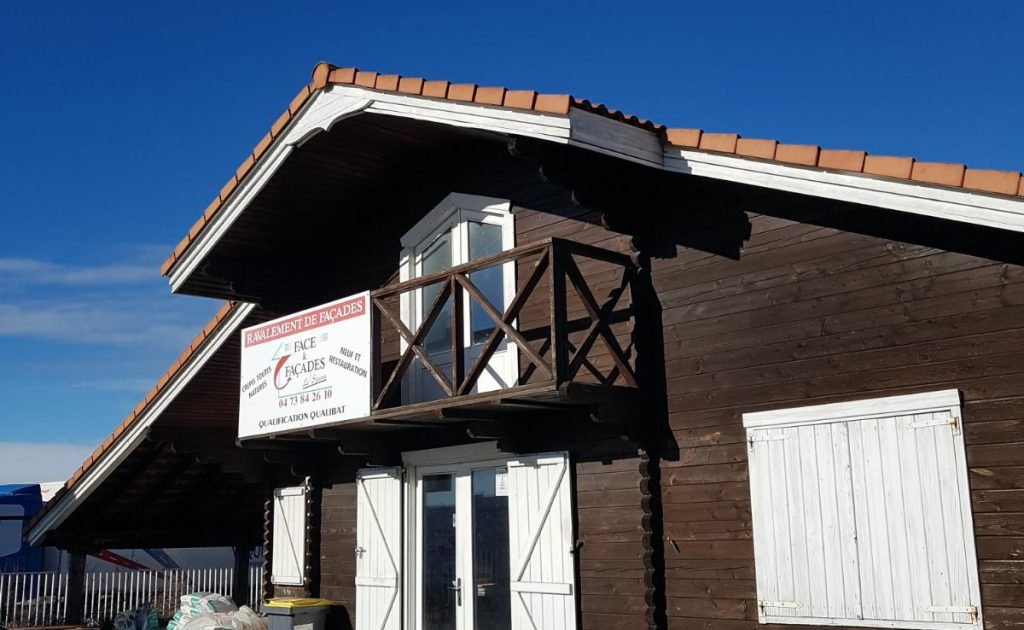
[623,376]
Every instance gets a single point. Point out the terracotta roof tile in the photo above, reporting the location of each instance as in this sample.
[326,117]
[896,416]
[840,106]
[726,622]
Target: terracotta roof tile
[684,137]
[520,99]
[262,146]
[165,266]
[388,82]
[321,74]
[180,248]
[842,160]
[366,79]
[888,166]
[196,228]
[342,75]
[410,85]
[805,154]
[764,149]
[489,95]
[552,103]
[211,209]
[462,92]
[721,142]
[228,188]
[998,182]
[299,100]
[938,173]
[279,124]
[244,167]
[324,75]
[435,89]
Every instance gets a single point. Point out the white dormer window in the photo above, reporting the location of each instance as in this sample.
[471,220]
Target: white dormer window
[461,229]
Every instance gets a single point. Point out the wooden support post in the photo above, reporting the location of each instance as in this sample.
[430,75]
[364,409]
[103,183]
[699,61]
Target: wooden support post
[240,579]
[75,605]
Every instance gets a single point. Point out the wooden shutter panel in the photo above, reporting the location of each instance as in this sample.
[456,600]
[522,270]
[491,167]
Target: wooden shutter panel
[869,500]
[288,554]
[543,580]
[803,517]
[378,548]
[915,538]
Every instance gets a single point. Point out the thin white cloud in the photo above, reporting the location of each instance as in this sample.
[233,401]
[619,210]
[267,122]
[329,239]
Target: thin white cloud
[30,271]
[97,320]
[34,462]
[115,385]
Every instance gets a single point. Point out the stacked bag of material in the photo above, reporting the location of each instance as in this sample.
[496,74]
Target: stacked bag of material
[212,611]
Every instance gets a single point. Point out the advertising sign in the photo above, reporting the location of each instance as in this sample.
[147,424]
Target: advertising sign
[306,369]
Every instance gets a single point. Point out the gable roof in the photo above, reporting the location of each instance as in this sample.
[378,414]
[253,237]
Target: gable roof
[188,357]
[954,176]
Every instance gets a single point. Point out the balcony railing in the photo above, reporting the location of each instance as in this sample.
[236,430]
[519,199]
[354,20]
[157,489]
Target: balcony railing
[569,297]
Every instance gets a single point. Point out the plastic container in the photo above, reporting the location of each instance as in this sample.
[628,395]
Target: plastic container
[296,613]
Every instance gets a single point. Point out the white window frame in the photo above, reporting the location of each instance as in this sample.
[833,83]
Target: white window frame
[279,542]
[938,402]
[453,213]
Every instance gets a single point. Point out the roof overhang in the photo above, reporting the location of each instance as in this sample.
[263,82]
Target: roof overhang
[954,204]
[100,466]
[576,124]
[335,103]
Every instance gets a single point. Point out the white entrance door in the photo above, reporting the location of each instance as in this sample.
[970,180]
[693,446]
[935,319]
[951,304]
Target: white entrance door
[490,543]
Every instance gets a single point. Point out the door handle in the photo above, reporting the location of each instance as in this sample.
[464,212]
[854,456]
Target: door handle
[457,587]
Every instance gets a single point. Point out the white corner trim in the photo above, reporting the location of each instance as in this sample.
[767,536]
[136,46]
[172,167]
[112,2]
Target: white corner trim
[906,196]
[948,399]
[128,441]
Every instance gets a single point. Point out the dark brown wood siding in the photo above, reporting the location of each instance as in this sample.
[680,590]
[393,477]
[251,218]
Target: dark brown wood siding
[825,303]
[814,313]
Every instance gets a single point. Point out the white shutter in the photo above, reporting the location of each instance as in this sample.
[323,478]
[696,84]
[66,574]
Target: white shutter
[541,543]
[862,516]
[378,548]
[803,514]
[916,549]
[288,554]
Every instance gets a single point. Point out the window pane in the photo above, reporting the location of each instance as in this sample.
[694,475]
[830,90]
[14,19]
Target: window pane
[437,257]
[438,572]
[490,551]
[485,240]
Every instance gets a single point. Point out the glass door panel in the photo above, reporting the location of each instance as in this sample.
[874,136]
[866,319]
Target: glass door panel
[438,565]
[462,563]
[492,598]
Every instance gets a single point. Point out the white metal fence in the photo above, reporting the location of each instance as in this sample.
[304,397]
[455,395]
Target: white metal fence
[40,598]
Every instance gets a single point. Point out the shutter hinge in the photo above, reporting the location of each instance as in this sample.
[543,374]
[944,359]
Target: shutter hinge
[765,436]
[965,610]
[763,604]
[953,421]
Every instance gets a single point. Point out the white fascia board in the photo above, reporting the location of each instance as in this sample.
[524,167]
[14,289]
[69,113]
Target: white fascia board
[905,196]
[948,399]
[130,440]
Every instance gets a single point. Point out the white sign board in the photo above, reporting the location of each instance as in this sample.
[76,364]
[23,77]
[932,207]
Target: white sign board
[307,369]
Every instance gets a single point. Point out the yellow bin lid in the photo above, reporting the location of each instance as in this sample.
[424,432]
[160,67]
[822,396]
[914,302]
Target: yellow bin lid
[297,602]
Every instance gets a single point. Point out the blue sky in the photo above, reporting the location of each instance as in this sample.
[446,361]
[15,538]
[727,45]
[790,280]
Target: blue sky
[121,120]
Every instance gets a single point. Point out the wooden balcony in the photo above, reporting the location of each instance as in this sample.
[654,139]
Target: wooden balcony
[569,323]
